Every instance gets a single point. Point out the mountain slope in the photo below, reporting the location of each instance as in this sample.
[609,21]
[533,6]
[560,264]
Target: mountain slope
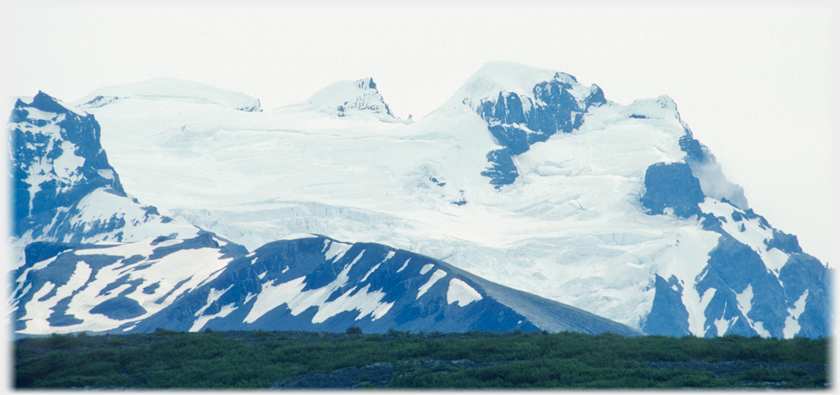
[317,283]
[141,284]
[64,188]
[306,283]
[73,288]
[525,177]
[352,97]
[170,89]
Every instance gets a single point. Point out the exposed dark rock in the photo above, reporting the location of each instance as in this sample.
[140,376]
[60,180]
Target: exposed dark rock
[786,243]
[672,186]
[668,316]
[119,308]
[517,122]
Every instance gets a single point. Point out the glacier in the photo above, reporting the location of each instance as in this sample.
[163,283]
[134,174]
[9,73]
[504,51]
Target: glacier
[524,177]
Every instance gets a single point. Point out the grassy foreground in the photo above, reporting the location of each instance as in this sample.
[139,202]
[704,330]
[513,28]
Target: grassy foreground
[262,359]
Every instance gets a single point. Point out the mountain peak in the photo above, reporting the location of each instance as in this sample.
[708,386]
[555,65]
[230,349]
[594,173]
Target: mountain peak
[64,187]
[170,88]
[504,76]
[46,103]
[366,83]
[346,96]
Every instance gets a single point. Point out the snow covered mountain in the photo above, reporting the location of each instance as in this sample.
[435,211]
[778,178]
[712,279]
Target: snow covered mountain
[65,190]
[351,97]
[525,177]
[168,89]
[64,288]
[302,283]
[73,278]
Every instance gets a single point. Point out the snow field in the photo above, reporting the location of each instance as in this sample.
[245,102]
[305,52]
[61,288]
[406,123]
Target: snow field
[189,267]
[168,88]
[291,294]
[571,228]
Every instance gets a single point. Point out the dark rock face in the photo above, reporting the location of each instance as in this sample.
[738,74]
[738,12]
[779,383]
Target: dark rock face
[693,149]
[672,186]
[668,316]
[61,179]
[732,268]
[784,242]
[37,144]
[803,273]
[517,122]
[119,308]
[502,170]
[743,288]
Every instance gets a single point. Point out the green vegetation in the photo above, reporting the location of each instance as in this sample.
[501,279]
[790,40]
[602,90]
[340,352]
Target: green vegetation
[262,359]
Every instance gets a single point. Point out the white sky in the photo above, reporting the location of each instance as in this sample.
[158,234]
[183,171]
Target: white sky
[756,85]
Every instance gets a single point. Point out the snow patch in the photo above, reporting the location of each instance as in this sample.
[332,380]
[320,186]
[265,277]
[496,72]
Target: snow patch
[425,268]
[291,293]
[212,297]
[202,320]
[373,269]
[298,236]
[66,166]
[722,324]
[461,293]
[336,250]
[366,302]
[437,275]
[745,300]
[37,312]
[273,296]
[759,328]
[697,322]
[357,258]
[792,320]
[188,267]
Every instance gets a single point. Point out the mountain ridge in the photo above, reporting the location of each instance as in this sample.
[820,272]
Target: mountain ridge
[613,209]
[160,88]
[100,283]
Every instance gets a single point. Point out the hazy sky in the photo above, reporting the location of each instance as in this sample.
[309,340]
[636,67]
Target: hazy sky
[756,85]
